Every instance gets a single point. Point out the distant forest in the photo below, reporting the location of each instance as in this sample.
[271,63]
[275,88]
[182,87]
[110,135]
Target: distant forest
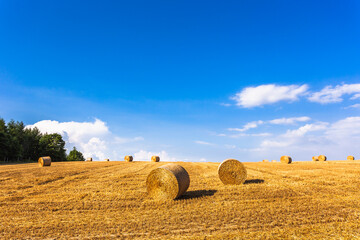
[20,144]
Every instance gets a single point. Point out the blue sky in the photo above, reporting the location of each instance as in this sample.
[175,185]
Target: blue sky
[189,80]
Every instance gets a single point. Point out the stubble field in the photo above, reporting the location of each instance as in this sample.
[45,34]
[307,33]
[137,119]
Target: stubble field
[102,200]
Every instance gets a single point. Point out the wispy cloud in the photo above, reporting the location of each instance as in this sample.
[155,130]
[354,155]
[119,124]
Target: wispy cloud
[203,143]
[247,126]
[268,94]
[225,104]
[228,146]
[305,129]
[239,135]
[331,94]
[293,137]
[292,120]
[278,121]
[357,105]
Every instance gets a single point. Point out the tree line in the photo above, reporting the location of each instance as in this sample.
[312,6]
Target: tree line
[18,143]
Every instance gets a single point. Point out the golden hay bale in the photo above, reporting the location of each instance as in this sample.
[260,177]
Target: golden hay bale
[106,159]
[351,158]
[322,158]
[128,158]
[167,182]
[155,159]
[315,158]
[231,171]
[286,159]
[89,159]
[44,161]
[265,160]
[273,161]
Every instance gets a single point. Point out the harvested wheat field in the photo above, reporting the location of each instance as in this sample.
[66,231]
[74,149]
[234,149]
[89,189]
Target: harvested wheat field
[101,200]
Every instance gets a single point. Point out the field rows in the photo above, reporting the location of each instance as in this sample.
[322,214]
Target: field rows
[101,200]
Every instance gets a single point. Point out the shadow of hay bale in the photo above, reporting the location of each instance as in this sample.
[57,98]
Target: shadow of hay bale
[254,181]
[197,194]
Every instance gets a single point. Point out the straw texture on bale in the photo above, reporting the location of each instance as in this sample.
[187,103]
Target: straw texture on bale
[167,182]
[44,161]
[128,158]
[322,158]
[155,159]
[265,160]
[232,171]
[89,159]
[106,159]
[351,158]
[286,159]
[315,158]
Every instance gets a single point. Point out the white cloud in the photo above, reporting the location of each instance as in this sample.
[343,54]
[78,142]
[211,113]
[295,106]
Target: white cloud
[305,129]
[347,128]
[268,94]
[143,155]
[293,137]
[229,146]
[225,104]
[335,140]
[331,94]
[76,131]
[120,140]
[289,120]
[355,96]
[221,135]
[357,105]
[274,143]
[255,124]
[247,126]
[203,143]
[93,139]
[260,134]
[250,135]
[95,148]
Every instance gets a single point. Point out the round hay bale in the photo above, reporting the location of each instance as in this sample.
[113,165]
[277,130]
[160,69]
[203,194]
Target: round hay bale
[155,159]
[273,161]
[350,158]
[232,171]
[265,160]
[89,159]
[322,158]
[286,159]
[106,159]
[315,158]
[44,161]
[167,182]
[128,158]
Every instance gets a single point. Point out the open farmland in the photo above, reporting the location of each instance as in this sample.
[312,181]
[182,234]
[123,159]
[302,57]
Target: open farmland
[100,200]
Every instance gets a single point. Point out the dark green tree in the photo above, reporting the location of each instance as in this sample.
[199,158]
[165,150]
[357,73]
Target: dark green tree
[75,155]
[31,144]
[18,143]
[16,139]
[53,145]
[4,141]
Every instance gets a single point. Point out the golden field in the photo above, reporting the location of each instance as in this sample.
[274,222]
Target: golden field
[102,200]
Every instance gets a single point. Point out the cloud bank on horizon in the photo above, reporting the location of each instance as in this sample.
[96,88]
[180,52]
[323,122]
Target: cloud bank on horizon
[302,136]
[94,139]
